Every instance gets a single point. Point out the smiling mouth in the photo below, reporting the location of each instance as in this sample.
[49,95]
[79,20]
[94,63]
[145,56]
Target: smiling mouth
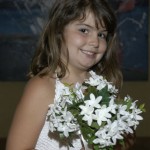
[88,52]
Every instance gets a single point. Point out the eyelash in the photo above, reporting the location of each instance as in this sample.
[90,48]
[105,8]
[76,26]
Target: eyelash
[100,35]
[83,30]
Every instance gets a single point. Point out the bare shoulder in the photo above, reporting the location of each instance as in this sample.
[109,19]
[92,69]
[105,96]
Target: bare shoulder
[38,94]
[31,113]
[40,90]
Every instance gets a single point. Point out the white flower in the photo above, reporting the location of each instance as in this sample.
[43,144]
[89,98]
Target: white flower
[93,102]
[122,110]
[62,89]
[102,114]
[63,128]
[102,137]
[88,118]
[67,116]
[112,89]
[87,112]
[134,118]
[79,91]
[86,109]
[122,123]
[133,105]
[51,127]
[127,98]
[94,79]
[114,131]
[112,105]
[109,120]
[108,135]
[54,122]
[135,112]
[101,85]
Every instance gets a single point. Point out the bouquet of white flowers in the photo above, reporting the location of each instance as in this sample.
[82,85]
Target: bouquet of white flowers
[94,109]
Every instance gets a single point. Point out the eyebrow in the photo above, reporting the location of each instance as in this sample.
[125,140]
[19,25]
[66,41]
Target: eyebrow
[84,24]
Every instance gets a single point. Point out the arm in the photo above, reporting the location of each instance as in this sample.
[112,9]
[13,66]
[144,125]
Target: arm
[30,114]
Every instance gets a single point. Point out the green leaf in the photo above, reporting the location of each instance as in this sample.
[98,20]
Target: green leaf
[105,94]
[95,125]
[142,107]
[96,147]
[91,89]
[129,104]
[75,112]
[87,132]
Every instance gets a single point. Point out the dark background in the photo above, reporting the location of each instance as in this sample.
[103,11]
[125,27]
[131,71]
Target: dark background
[21,22]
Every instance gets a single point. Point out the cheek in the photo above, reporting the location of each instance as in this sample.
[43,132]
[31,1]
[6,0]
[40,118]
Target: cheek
[76,41]
[75,37]
[103,46]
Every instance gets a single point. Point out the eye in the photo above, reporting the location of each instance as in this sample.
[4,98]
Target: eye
[83,30]
[102,35]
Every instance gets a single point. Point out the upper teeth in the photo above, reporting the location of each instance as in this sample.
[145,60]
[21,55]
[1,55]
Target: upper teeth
[87,52]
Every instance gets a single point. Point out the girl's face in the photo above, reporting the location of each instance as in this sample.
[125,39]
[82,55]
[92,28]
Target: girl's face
[86,44]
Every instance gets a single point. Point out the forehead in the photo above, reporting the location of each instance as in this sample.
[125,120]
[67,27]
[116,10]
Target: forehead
[89,18]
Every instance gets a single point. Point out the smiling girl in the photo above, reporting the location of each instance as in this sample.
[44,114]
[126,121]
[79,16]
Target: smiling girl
[79,37]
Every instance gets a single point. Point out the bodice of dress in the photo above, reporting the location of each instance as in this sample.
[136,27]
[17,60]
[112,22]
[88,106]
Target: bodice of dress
[46,142]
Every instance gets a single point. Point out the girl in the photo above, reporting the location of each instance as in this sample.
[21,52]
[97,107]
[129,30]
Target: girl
[79,37]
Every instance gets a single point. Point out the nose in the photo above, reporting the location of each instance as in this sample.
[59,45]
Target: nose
[94,40]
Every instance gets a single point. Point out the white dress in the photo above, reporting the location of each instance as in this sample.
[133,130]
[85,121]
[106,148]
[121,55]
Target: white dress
[45,142]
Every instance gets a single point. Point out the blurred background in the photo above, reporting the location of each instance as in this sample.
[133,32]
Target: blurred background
[21,22]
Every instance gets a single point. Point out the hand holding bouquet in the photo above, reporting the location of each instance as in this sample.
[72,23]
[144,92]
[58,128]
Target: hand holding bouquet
[94,110]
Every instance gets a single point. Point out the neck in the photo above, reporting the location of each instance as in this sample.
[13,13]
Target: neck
[74,76]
